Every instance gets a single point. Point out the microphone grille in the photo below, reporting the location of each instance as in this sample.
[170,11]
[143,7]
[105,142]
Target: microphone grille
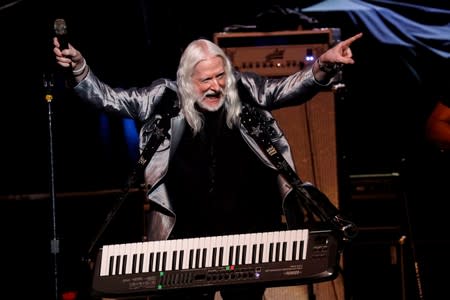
[60,27]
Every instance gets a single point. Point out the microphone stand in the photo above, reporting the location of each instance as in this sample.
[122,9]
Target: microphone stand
[54,243]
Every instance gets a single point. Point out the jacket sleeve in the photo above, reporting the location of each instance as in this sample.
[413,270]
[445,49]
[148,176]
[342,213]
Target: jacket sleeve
[135,103]
[272,93]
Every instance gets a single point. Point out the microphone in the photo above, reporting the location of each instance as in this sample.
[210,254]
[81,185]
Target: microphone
[61,33]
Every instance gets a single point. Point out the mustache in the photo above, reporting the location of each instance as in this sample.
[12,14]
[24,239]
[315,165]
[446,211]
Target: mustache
[213,93]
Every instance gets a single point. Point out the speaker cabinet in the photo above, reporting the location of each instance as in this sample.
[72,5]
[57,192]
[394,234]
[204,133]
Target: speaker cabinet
[374,267]
[377,263]
[311,131]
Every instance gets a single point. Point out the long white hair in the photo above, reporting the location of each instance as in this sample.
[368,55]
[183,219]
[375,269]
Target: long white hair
[194,53]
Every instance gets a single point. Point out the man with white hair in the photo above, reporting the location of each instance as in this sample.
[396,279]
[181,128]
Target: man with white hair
[209,177]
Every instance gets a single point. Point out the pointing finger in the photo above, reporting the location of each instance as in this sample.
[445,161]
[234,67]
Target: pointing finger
[350,40]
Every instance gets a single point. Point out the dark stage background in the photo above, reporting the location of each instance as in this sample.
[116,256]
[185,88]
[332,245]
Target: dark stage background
[389,93]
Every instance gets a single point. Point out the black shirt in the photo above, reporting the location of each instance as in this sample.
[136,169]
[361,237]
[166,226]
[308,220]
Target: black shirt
[219,186]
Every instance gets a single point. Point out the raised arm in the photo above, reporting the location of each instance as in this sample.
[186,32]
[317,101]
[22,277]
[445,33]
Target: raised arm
[71,58]
[330,62]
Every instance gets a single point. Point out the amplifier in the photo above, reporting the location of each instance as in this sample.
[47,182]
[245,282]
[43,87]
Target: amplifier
[376,202]
[277,53]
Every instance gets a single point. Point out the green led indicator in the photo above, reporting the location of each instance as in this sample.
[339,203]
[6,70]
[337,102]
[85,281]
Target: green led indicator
[227,268]
[161,274]
[159,287]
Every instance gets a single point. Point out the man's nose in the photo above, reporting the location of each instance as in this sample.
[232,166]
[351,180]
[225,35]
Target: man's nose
[215,85]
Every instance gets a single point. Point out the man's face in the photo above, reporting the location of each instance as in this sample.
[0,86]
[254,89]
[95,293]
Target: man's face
[209,81]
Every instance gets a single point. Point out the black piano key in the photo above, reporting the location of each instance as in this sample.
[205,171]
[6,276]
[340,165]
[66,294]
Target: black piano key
[180,265]
[284,251]
[117,264]
[271,252]
[294,250]
[134,264]
[214,257]
[124,264]
[150,261]
[204,252]
[220,256]
[191,258]
[244,254]
[230,256]
[174,260]
[158,262]
[302,245]
[197,258]
[111,265]
[254,254]
[141,263]
[261,251]
[164,261]
[277,251]
[238,253]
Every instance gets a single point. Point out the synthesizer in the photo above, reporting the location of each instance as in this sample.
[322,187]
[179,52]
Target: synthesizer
[278,258]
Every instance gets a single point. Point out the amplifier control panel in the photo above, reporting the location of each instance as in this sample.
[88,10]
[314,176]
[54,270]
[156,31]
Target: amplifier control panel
[274,54]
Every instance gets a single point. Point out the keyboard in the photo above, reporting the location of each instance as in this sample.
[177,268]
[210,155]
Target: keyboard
[276,258]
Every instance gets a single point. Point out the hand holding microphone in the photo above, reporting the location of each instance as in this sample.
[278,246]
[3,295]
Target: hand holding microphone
[66,55]
[60,28]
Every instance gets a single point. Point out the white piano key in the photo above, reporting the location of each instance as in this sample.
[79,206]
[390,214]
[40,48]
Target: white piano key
[265,242]
[305,239]
[250,241]
[185,257]
[289,239]
[226,251]
[231,250]
[195,252]
[138,257]
[276,240]
[162,249]
[201,246]
[115,255]
[271,247]
[178,247]
[112,259]
[259,247]
[234,244]
[121,260]
[221,246]
[158,257]
[210,244]
[297,237]
[152,255]
[191,251]
[104,262]
[130,250]
[145,260]
[285,247]
[279,240]
[241,242]
[169,248]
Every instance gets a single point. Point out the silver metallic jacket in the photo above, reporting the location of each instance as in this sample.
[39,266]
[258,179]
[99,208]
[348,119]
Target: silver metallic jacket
[140,104]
